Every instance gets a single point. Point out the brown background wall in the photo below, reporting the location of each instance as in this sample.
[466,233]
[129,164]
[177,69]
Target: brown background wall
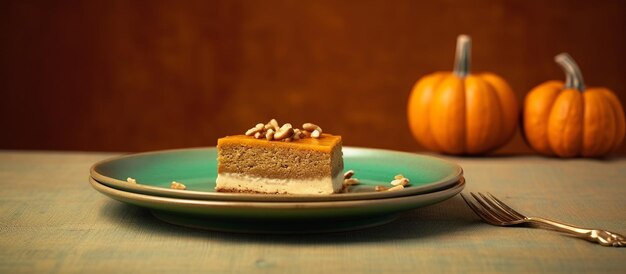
[144,75]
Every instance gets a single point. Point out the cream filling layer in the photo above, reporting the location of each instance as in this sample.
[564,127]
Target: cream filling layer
[245,183]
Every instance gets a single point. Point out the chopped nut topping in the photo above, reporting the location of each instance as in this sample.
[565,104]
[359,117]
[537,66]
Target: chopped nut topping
[255,129]
[269,135]
[177,185]
[316,131]
[350,181]
[398,187]
[348,174]
[311,127]
[315,134]
[131,180]
[297,134]
[274,124]
[283,132]
[273,131]
[400,182]
[380,188]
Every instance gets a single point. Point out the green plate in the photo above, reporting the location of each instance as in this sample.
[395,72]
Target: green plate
[197,169]
[278,217]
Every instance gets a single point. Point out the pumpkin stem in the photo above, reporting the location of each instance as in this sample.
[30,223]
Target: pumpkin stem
[463,54]
[573,76]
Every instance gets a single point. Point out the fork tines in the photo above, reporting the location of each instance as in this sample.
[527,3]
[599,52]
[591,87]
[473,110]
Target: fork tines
[492,210]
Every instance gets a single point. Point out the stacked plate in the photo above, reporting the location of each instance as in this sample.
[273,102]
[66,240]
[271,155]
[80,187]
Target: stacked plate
[432,180]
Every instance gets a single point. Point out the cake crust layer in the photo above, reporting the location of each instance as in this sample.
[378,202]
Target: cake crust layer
[238,183]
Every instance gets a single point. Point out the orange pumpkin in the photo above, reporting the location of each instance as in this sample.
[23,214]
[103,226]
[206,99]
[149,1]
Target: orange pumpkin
[569,120]
[462,113]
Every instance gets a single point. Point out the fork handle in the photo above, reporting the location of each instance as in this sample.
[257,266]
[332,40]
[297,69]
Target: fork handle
[603,237]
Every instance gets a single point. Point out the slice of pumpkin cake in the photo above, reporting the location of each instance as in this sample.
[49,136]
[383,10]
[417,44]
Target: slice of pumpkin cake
[280,160]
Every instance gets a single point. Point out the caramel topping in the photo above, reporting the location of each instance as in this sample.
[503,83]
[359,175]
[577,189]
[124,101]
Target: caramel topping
[324,143]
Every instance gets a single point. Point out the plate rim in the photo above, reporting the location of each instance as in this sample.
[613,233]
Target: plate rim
[106,190]
[235,217]
[445,182]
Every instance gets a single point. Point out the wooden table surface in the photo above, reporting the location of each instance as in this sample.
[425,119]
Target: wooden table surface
[52,221]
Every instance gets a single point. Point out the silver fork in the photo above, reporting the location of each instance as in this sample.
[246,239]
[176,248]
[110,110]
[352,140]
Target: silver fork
[495,212]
